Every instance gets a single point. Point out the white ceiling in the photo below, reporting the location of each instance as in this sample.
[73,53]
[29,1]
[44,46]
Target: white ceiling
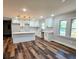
[36,8]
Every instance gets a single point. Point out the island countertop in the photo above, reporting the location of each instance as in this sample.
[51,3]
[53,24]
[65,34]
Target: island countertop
[16,33]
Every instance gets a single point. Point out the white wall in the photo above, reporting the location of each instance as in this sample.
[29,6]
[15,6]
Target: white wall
[67,40]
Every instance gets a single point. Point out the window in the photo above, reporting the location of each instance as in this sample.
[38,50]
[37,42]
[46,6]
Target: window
[73,29]
[63,28]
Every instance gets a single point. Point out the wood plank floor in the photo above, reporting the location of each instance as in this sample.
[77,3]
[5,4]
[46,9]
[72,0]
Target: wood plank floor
[38,49]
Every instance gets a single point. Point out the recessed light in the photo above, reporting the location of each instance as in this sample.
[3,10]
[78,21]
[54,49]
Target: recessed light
[52,15]
[41,16]
[63,0]
[24,9]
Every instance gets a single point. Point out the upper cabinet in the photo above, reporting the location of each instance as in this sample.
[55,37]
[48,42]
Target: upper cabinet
[49,22]
[34,23]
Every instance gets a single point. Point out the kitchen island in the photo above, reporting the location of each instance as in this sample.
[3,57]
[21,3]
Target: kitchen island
[23,36]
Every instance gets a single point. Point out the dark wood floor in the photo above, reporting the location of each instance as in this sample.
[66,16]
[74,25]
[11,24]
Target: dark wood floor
[38,49]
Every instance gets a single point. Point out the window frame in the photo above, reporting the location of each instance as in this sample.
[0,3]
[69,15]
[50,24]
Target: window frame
[60,27]
[72,28]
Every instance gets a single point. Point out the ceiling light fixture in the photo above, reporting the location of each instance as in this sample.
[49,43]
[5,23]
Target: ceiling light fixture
[52,15]
[41,16]
[63,0]
[24,9]
[16,17]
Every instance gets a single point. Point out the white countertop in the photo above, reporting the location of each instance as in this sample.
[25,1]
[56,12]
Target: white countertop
[23,33]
